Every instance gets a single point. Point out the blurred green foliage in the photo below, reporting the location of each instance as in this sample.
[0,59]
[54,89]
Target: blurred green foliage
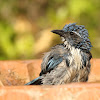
[22,23]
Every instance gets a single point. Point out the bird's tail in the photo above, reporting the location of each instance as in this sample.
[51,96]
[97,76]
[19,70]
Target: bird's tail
[37,81]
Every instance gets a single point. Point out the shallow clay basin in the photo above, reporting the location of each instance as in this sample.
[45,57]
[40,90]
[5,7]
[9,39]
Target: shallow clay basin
[14,74]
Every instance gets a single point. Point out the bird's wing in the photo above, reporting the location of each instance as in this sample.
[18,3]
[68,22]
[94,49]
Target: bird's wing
[52,63]
[53,58]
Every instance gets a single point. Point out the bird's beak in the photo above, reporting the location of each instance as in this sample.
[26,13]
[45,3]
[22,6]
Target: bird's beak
[59,32]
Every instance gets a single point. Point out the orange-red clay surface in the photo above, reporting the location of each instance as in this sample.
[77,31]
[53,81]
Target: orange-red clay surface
[14,74]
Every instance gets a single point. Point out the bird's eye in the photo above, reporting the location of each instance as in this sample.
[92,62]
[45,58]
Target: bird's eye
[71,33]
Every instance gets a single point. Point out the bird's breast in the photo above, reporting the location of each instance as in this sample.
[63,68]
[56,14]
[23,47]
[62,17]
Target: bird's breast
[75,58]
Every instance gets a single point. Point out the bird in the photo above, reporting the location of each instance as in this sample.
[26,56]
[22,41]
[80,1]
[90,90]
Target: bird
[69,61]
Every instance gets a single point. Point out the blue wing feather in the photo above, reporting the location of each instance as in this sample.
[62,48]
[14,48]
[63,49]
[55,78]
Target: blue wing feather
[36,81]
[53,63]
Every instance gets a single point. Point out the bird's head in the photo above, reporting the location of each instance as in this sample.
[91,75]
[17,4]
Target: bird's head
[74,35]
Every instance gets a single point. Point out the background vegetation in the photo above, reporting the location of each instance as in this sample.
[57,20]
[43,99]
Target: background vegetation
[25,25]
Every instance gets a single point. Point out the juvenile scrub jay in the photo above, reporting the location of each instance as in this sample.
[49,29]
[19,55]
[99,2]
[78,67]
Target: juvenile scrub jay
[67,62]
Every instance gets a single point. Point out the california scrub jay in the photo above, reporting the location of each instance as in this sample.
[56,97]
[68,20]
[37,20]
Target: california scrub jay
[67,62]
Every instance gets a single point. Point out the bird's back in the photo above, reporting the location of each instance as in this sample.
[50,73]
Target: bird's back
[72,65]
